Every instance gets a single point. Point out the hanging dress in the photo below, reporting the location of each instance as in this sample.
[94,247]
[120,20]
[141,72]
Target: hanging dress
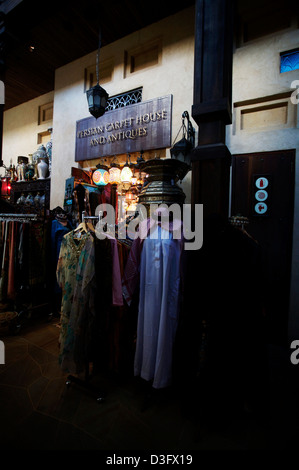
[72,256]
[158,307]
[88,290]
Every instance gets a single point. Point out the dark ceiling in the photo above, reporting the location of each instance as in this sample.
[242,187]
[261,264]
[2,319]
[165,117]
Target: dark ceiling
[63,31]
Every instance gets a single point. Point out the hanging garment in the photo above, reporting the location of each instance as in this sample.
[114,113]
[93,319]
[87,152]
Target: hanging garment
[158,303]
[117,297]
[11,263]
[37,258]
[89,274]
[57,233]
[78,340]
[3,279]
[67,266]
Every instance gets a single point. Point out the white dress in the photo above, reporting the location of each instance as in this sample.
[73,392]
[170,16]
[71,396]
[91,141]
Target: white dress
[158,307]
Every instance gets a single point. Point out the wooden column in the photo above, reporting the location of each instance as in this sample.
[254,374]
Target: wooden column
[211,108]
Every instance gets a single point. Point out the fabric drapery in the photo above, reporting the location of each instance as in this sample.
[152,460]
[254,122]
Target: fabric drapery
[88,273]
[154,264]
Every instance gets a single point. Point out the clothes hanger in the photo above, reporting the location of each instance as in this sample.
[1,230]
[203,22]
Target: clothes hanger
[81,228]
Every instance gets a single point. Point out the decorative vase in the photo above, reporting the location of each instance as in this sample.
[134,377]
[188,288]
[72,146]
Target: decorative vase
[21,168]
[29,200]
[30,171]
[41,152]
[49,152]
[42,168]
[37,157]
[42,201]
[21,200]
[37,201]
[161,187]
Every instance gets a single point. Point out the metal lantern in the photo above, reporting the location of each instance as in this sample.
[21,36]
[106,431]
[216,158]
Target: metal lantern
[100,177]
[97,97]
[182,149]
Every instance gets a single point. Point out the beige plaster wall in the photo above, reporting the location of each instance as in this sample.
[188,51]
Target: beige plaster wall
[172,75]
[256,77]
[256,69]
[21,129]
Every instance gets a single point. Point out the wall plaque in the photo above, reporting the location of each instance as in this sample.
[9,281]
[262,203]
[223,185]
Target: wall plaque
[141,126]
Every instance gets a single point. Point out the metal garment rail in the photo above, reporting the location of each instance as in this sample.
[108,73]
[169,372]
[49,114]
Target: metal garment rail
[18,217]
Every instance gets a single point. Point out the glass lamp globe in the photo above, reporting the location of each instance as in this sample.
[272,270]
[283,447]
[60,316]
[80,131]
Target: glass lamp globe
[100,177]
[126,174]
[114,175]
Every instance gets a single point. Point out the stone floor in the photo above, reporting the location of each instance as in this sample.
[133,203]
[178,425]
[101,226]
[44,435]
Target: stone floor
[38,411]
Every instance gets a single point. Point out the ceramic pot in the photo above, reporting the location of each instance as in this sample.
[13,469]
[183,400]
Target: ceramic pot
[30,171]
[29,200]
[49,155]
[42,201]
[21,200]
[41,152]
[42,168]
[37,201]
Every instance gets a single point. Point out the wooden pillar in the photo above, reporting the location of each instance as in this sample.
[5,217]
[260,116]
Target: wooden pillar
[211,108]
[206,297]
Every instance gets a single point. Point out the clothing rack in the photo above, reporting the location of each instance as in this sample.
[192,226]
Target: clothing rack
[22,218]
[96,218]
[91,217]
[17,217]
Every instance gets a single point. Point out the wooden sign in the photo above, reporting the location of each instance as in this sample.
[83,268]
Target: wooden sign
[141,126]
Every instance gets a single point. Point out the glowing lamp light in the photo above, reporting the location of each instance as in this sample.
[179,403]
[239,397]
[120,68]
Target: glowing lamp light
[114,175]
[132,208]
[134,180]
[100,177]
[126,174]
[130,196]
[5,187]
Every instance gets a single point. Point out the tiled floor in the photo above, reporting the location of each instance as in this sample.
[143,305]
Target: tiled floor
[39,411]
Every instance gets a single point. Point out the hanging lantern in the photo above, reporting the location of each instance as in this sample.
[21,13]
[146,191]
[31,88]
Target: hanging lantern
[114,175]
[100,177]
[97,97]
[134,176]
[131,195]
[132,207]
[126,174]
[182,149]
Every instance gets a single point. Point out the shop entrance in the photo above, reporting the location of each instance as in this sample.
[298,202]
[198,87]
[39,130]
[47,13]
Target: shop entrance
[263,191]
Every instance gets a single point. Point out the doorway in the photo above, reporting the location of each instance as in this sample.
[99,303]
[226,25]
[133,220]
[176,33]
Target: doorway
[263,191]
